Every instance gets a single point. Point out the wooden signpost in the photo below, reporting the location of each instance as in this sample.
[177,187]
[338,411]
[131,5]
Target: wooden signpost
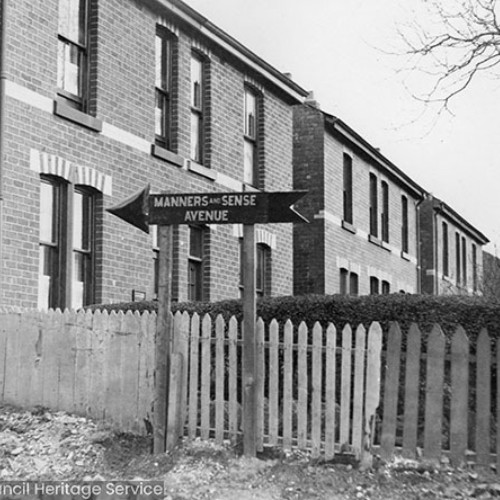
[168,209]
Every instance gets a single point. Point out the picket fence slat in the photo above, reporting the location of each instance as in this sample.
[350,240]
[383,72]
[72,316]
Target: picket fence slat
[219,379]
[259,386]
[273,382]
[359,379]
[345,396]
[330,376]
[287,386]
[412,391]
[483,399]
[233,378]
[317,389]
[434,394]
[194,348]
[206,333]
[372,393]
[388,438]
[459,396]
[302,380]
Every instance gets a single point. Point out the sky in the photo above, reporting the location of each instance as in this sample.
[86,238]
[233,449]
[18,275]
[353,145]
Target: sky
[345,52]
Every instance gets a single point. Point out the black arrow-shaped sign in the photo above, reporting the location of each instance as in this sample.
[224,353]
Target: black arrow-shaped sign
[209,208]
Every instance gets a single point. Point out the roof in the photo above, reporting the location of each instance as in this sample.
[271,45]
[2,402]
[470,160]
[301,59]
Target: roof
[202,25]
[382,162]
[441,207]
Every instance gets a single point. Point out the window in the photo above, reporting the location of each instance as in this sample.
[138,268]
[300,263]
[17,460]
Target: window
[83,217]
[344,274]
[262,271]
[384,217]
[374,285]
[349,282]
[373,206]
[386,287]
[404,224]
[197,93]
[457,257]
[348,216]
[67,222]
[474,268]
[163,84]
[353,284]
[445,250]
[195,263]
[72,52]
[464,261]
[250,171]
[156,251]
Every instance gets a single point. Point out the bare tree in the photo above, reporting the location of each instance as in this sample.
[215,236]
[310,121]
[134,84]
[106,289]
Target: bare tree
[452,42]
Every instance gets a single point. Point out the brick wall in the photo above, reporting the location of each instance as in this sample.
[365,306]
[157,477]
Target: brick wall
[308,158]
[325,246]
[123,98]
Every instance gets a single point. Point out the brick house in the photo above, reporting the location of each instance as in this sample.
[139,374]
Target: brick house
[451,251]
[99,98]
[362,237]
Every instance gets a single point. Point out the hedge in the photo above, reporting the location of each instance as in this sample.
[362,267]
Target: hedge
[473,313]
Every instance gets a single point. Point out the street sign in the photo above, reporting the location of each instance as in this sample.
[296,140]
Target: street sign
[168,209]
[143,209]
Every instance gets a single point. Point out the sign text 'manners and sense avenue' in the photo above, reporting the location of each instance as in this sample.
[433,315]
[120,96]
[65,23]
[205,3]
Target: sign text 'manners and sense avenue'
[215,208]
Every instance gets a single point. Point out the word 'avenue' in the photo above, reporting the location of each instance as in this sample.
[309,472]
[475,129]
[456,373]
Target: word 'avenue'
[206,216]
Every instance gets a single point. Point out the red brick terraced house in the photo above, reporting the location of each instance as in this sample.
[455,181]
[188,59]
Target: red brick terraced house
[451,251]
[98,98]
[362,238]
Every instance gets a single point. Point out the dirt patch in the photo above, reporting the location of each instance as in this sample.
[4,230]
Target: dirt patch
[43,445]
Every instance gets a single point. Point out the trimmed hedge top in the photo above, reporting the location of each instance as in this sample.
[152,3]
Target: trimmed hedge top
[473,313]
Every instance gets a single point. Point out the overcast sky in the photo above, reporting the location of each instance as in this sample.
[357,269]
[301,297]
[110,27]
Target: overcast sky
[337,48]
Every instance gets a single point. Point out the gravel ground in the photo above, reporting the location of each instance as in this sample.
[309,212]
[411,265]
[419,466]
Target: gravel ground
[40,445]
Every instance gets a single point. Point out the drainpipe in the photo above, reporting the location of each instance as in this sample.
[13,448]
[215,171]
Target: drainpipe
[3,77]
[419,243]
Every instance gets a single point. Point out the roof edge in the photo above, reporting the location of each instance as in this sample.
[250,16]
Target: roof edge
[341,127]
[441,206]
[231,45]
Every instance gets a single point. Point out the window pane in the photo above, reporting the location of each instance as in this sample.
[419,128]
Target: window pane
[47,209]
[81,221]
[260,283]
[250,114]
[196,137]
[249,162]
[196,242]
[196,82]
[343,281]
[354,284]
[72,20]
[69,68]
[161,115]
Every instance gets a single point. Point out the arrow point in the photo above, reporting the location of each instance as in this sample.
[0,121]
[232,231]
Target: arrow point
[134,209]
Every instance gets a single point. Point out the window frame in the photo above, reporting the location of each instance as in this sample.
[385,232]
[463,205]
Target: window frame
[373,183]
[197,107]
[405,229]
[79,100]
[384,216]
[251,137]
[195,264]
[164,86]
[446,250]
[347,189]
[62,292]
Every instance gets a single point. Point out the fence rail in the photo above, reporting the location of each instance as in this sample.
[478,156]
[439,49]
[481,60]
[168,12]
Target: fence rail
[322,388]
